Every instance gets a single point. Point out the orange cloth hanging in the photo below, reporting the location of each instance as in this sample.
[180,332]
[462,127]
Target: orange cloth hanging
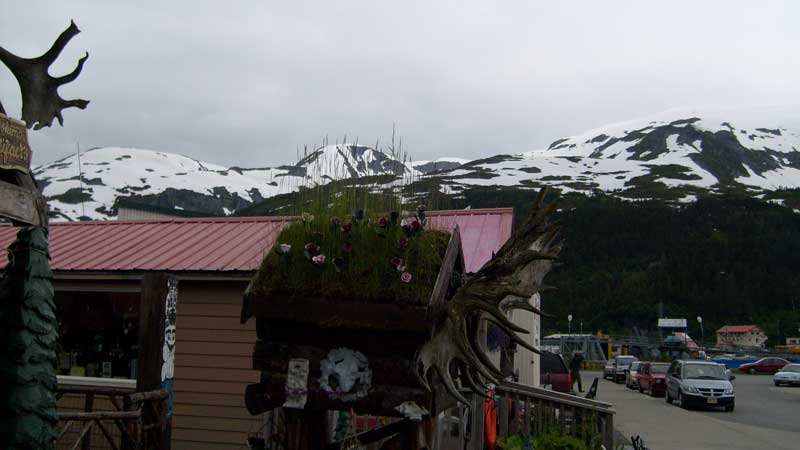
[489,421]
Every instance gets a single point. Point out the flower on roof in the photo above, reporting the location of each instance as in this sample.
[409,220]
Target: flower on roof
[406,277]
[319,260]
[310,250]
[380,228]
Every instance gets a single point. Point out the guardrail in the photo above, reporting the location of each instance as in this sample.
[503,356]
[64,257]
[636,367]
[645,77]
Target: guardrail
[527,409]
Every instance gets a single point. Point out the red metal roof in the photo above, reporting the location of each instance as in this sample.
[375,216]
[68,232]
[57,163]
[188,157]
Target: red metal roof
[736,328]
[222,244]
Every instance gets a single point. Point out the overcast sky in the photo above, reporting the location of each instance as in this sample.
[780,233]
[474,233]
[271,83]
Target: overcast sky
[249,82]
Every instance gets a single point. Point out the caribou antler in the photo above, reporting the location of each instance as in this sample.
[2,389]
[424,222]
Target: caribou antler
[505,283]
[40,100]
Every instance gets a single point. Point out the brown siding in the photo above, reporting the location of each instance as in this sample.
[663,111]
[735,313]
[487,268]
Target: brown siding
[212,368]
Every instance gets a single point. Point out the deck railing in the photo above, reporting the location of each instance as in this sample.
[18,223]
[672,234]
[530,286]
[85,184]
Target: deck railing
[126,426]
[526,409]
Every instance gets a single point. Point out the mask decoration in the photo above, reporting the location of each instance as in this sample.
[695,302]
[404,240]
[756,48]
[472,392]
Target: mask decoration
[171,313]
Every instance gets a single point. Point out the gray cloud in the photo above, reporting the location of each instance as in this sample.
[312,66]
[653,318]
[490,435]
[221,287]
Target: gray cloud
[249,82]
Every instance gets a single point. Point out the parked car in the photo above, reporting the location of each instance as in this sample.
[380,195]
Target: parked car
[789,375]
[608,369]
[621,365]
[700,383]
[630,376]
[652,378]
[764,365]
[553,372]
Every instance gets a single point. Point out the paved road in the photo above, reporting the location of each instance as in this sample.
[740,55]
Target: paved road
[766,417]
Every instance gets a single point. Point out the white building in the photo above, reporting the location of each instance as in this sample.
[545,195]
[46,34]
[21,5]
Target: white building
[733,336]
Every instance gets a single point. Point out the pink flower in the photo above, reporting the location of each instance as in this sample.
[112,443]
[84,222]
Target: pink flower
[402,242]
[396,261]
[406,277]
[319,260]
[382,222]
[348,227]
[311,249]
[416,226]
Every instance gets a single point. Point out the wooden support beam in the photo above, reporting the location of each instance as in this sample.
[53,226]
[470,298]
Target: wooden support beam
[155,364]
[340,313]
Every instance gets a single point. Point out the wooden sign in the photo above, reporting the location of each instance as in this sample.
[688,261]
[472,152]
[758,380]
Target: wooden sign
[15,152]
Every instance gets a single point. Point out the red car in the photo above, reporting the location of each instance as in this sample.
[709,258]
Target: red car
[764,365]
[652,378]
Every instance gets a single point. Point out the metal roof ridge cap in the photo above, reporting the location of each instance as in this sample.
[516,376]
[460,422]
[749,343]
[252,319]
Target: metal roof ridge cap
[476,211]
[230,219]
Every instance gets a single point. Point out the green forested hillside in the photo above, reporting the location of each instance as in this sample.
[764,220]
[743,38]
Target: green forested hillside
[728,260]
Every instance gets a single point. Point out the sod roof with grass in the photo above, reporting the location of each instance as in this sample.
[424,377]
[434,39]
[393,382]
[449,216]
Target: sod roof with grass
[378,259]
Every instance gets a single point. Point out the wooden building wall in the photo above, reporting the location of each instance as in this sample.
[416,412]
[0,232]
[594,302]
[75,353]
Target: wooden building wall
[213,365]
[525,360]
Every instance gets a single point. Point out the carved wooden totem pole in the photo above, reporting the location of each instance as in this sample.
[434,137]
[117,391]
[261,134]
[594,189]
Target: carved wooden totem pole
[28,324]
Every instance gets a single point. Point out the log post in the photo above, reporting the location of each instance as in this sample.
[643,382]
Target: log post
[155,364]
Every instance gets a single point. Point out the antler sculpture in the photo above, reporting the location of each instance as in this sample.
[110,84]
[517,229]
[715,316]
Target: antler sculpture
[40,100]
[505,283]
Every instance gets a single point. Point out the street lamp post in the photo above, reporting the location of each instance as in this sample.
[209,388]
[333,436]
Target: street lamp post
[702,332]
[569,319]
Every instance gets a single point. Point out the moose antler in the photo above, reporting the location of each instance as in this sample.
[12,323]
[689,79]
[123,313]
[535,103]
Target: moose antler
[40,100]
[505,283]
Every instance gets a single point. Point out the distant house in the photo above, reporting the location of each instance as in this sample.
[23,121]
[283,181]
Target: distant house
[133,210]
[734,336]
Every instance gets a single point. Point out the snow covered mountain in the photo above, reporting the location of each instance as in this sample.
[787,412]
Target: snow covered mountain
[90,189]
[676,155]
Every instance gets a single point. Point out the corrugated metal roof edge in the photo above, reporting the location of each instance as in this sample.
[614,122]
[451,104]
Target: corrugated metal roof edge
[230,219]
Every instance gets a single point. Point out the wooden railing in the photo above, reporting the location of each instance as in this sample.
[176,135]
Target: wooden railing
[126,427]
[540,410]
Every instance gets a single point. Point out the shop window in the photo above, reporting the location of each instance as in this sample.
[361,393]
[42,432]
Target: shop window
[99,333]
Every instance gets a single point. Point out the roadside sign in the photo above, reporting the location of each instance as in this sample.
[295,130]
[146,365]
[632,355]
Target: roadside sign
[15,152]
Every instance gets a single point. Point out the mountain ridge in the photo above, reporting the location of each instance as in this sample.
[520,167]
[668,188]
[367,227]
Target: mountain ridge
[675,156]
